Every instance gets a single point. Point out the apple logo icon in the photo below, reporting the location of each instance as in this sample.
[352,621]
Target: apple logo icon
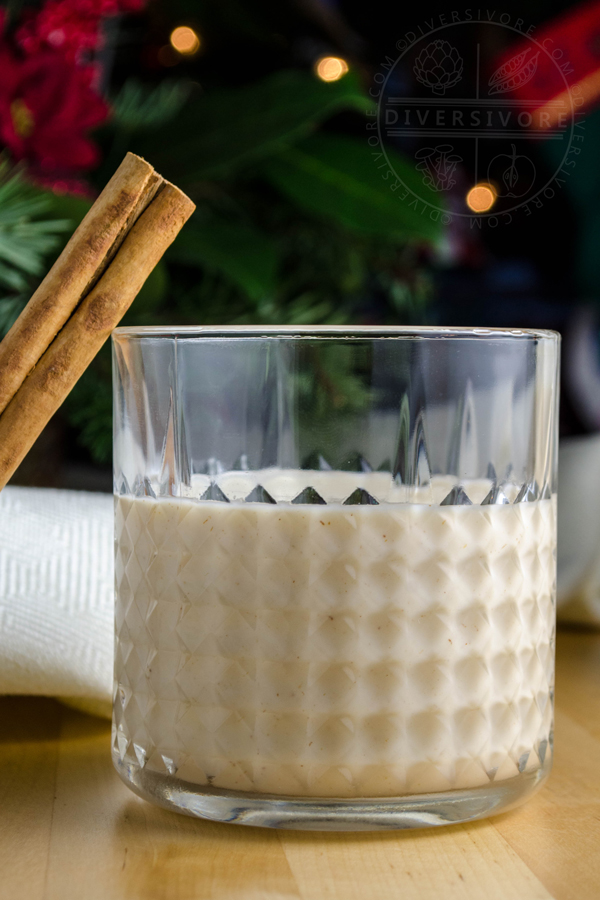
[513,173]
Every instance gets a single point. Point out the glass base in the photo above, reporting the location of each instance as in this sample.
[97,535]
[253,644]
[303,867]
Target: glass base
[316,814]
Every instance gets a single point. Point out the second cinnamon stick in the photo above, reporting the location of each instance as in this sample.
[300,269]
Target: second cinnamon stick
[79,266]
[67,357]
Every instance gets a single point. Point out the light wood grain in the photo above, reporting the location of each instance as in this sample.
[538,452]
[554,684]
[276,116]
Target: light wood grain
[69,830]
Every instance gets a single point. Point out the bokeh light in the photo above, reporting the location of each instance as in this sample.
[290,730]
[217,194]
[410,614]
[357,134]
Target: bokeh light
[185,40]
[331,68]
[481,197]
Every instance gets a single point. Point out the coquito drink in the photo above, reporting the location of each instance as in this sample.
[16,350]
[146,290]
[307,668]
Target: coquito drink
[288,643]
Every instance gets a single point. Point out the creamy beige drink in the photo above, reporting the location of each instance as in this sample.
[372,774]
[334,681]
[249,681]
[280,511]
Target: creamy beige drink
[332,650]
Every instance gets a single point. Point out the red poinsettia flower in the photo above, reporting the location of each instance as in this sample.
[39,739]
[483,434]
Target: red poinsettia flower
[46,109]
[60,27]
[71,26]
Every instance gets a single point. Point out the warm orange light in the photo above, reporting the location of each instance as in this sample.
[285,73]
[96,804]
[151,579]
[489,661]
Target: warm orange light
[481,197]
[331,68]
[185,40]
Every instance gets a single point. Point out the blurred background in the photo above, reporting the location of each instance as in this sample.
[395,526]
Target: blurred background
[257,110]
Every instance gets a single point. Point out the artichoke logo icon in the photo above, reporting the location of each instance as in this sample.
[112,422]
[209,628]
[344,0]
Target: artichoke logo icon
[438,66]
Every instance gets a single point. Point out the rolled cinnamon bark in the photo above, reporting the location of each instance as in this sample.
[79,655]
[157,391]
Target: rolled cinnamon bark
[67,357]
[80,265]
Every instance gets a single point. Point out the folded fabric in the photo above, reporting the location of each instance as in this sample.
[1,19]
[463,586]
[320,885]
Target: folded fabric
[56,595]
[579,530]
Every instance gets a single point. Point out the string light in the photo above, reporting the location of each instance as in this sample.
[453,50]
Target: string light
[481,197]
[185,40]
[331,68]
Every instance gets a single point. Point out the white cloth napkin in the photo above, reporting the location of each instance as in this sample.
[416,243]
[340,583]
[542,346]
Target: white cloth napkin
[56,595]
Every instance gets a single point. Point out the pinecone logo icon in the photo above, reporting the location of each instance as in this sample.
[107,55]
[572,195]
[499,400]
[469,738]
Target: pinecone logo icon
[439,66]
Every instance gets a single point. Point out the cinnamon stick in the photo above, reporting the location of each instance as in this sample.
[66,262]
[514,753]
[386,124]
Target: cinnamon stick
[85,257]
[70,353]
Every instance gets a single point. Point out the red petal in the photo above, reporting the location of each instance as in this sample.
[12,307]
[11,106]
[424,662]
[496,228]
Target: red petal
[64,152]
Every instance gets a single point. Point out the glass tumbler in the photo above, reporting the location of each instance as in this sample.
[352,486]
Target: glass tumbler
[335,572]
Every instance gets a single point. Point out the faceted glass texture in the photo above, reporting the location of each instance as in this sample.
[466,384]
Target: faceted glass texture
[335,572]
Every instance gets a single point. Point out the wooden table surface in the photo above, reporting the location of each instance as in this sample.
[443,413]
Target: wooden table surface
[70,829]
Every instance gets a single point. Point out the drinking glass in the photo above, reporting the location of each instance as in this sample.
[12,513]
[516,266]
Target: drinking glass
[335,571]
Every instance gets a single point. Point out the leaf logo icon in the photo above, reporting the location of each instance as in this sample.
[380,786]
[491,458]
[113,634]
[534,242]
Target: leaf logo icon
[514,73]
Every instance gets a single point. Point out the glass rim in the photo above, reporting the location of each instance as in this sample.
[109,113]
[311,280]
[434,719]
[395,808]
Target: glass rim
[327,332]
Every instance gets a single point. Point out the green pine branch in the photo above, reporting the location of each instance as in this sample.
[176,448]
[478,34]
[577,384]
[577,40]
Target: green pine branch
[138,107]
[28,236]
